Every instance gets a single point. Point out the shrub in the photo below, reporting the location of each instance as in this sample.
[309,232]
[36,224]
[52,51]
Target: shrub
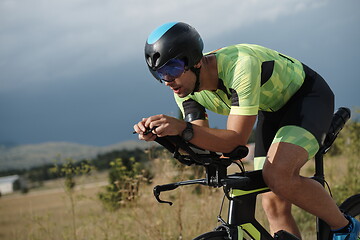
[125,177]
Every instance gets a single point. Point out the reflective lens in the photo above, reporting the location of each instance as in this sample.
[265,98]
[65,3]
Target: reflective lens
[171,70]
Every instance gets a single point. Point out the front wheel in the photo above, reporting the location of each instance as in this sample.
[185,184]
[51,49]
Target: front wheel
[351,206]
[215,235]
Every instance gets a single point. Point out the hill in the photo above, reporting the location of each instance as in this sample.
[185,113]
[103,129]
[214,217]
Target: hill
[27,156]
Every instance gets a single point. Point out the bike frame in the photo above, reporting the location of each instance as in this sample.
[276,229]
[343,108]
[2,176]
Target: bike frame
[242,188]
[242,206]
[323,231]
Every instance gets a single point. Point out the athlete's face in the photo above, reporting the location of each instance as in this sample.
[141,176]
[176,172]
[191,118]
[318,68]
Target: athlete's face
[184,84]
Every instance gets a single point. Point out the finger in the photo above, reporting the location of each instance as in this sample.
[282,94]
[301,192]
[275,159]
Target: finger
[161,131]
[136,129]
[156,123]
[152,138]
[142,137]
[147,122]
[139,128]
[148,137]
[151,119]
[155,130]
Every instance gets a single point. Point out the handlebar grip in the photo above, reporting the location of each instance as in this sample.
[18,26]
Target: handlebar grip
[340,117]
[238,153]
[166,187]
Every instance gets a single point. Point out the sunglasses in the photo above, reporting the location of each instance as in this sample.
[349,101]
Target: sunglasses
[173,69]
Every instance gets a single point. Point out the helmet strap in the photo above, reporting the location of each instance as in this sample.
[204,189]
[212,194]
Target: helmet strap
[197,83]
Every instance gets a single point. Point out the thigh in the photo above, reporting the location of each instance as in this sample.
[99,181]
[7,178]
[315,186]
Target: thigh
[284,160]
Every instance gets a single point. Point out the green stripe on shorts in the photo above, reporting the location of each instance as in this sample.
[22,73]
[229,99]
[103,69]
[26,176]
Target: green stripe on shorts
[298,136]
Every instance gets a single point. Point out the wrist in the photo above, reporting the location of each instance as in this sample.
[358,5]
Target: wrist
[188,132]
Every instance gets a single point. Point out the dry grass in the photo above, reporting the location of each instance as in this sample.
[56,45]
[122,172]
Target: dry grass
[46,214]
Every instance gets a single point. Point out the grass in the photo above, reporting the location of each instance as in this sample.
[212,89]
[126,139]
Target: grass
[46,214]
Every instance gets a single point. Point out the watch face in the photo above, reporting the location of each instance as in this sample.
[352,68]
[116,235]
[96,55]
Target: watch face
[187,134]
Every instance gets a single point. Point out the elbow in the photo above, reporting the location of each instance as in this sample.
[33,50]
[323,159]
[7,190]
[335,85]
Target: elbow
[234,142]
[231,148]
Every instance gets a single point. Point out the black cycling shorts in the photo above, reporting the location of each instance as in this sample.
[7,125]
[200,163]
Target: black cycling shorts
[303,120]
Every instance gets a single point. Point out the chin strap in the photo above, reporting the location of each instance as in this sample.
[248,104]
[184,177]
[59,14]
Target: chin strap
[197,83]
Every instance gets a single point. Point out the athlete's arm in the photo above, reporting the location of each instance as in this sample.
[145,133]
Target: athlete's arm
[219,140]
[201,123]
[238,131]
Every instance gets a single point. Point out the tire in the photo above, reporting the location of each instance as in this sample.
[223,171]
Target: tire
[351,206]
[215,235]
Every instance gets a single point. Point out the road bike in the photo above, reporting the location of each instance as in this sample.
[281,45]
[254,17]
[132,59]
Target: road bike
[242,188]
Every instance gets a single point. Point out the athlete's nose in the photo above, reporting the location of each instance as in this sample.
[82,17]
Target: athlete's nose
[169,83]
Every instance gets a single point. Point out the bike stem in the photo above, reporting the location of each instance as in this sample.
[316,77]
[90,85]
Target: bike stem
[216,173]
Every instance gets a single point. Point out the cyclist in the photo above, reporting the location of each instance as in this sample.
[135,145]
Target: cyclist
[292,104]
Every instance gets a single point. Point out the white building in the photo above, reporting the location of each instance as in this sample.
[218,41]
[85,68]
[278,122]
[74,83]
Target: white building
[10,184]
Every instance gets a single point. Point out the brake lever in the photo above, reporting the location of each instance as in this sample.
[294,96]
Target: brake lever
[171,186]
[162,188]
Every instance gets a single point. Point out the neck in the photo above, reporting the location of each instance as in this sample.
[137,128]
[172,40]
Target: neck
[208,73]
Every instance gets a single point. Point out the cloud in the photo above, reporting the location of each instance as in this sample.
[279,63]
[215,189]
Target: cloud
[62,39]
[70,70]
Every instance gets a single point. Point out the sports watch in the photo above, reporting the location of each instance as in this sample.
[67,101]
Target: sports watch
[188,132]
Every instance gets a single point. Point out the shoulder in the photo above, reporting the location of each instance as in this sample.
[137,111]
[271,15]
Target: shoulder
[182,102]
[230,56]
[242,49]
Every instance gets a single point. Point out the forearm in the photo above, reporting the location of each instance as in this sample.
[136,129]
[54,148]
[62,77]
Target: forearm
[217,140]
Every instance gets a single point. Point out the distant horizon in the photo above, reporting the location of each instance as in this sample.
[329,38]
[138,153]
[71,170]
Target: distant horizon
[355,116]
[32,155]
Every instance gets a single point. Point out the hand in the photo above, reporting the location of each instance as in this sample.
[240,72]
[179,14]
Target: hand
[165,126]
[143,131]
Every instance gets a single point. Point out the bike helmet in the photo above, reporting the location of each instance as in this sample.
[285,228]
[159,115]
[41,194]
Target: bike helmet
[174,40]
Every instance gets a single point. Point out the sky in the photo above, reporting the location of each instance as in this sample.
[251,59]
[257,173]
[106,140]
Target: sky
[74,70]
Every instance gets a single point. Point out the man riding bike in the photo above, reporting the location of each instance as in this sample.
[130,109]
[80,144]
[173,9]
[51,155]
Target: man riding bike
[293,106]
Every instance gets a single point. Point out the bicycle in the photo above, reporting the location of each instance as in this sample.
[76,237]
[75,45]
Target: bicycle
[242,188]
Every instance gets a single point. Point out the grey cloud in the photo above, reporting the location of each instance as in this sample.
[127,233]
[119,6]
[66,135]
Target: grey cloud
[51,40]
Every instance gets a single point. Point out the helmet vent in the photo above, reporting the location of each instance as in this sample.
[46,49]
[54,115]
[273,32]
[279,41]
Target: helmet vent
[156,56]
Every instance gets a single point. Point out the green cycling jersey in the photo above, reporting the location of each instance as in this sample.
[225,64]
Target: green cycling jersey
[251,78]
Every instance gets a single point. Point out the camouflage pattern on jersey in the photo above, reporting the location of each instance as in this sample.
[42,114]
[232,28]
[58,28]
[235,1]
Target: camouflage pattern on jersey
[255,78]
